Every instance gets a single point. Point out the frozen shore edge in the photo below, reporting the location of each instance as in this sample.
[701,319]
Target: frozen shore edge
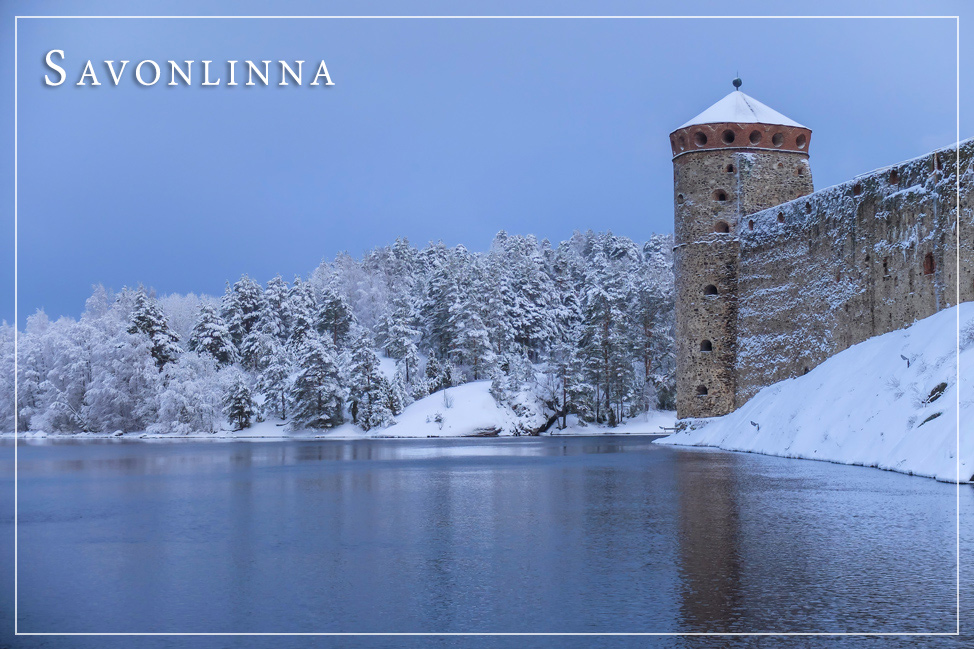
[892,402]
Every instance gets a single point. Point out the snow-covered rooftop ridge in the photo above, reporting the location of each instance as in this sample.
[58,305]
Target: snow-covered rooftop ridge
[738,108]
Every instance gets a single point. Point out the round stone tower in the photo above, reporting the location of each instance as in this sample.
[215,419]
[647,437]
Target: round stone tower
[735,158]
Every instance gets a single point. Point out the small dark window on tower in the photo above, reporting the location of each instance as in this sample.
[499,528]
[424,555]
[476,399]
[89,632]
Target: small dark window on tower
[721,227]
[730,169]
[701,390]
[928,264]
[781,217]
[750,224]
[710,289]
[894,178]
[683,142]
[801,141]
[885,265]
[700,138]
[755,137]
[777,139]
[799,171]
[808,208]
[680,198]
[706,346]
[720,195]
[857,189]
[727,136]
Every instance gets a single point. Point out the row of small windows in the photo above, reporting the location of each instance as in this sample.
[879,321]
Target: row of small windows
[755,138]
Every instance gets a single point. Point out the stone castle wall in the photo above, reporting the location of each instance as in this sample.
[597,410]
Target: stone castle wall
[833,268]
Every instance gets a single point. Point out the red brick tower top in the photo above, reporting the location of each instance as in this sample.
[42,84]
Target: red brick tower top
[743,123]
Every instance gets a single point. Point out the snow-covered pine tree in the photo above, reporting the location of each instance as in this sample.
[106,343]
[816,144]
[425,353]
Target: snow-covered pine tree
[334,317]
[400,335]
[212,336]
[606,341]
[274,368]
[399,396]
[368,387]
[435,379]
[442,286]
[148,320]
[301,307]
[409,365]
[472,347]
[275,314]
[238,402]
[241,308]
[317,396]
[272,322]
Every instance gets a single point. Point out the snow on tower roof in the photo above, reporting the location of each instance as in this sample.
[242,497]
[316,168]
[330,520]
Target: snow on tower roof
[738,108]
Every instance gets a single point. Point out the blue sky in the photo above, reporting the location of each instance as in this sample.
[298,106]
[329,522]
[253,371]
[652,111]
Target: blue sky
[435,129]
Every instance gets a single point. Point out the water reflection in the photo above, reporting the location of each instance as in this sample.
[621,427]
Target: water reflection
[710,567]
[549,534]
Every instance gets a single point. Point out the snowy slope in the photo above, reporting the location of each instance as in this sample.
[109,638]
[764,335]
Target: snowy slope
[467,409]
[864,406]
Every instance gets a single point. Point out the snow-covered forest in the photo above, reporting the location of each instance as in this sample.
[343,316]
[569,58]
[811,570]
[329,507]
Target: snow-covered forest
[582,329]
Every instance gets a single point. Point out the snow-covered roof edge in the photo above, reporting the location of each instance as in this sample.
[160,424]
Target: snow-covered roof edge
[738,108]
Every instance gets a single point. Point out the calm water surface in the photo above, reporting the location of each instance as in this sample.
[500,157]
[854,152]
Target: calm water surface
[526,534]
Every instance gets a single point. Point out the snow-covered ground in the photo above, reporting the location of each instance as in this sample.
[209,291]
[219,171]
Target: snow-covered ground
[466,410]
[865,406]
[648,423]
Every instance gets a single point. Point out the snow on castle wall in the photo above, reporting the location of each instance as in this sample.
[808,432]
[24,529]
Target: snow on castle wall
[826,271]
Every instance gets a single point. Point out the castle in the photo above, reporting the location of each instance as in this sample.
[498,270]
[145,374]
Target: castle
[772,277]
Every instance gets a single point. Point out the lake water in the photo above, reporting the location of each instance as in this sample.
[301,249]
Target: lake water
[595,534]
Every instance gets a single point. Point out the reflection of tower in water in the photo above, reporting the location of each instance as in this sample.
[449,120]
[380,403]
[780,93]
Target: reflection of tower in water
[709,560]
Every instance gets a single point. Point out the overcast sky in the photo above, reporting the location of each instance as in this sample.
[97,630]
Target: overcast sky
[435,129]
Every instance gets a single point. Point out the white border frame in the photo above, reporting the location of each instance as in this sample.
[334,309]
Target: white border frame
[956,19]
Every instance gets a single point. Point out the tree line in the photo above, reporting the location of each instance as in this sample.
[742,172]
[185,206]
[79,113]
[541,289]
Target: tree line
[582,328]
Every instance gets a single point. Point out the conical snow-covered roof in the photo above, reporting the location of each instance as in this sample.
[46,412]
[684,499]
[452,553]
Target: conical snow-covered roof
[738,108]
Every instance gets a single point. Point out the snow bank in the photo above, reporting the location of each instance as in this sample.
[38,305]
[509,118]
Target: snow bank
[864,406]
[464,410]
[648,423]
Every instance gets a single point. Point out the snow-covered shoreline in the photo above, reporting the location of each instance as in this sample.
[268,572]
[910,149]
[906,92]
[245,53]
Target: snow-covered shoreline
[892,402]
[465,411]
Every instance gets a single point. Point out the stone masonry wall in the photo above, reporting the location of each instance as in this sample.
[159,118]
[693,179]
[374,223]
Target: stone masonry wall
[831,269]
[713,188]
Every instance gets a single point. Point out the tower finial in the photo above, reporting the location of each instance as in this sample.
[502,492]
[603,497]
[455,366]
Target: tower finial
[737,83]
